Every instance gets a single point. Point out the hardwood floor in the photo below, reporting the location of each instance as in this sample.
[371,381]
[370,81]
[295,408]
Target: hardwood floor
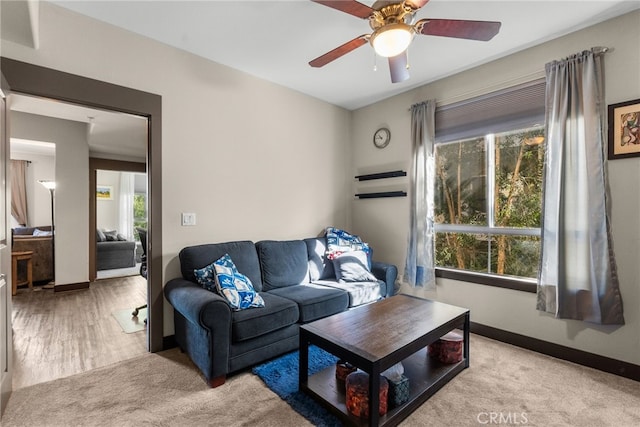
[60,334]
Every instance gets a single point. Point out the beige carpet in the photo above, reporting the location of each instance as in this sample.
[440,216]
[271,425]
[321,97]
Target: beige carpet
[505,385]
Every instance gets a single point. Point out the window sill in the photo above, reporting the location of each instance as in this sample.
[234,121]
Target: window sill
[524,285]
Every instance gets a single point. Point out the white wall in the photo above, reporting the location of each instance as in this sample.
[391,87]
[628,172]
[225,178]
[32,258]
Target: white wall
[385,222]
[108,211]
[252,159]
[42,167]
[71,196]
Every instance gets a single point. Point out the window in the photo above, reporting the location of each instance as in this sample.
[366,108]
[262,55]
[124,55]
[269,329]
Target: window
[488,189]
[139,213]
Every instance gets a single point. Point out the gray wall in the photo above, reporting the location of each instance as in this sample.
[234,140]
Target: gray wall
[108,211]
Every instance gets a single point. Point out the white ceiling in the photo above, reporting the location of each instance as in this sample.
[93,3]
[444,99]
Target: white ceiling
[275,40]
[111,135]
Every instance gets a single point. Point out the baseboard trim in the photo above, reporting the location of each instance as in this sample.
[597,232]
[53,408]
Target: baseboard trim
[602,363]
[169,342]
[595,361]
[71,287]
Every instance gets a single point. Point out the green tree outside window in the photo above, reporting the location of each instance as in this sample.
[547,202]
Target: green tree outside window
[488,201]
[139,213]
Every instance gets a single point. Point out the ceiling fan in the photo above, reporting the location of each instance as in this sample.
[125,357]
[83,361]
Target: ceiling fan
[393,31]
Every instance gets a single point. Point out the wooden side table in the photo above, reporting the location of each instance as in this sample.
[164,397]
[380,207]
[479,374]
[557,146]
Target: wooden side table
[21,256]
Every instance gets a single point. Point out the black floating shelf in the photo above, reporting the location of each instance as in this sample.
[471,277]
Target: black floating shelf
[383,194]
[381,175]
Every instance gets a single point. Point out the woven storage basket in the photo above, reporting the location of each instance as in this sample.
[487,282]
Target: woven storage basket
[358,394]
[448,349]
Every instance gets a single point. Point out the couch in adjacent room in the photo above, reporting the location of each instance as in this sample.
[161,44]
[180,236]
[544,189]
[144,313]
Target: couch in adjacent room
[113,250]
[38,240]
[297,284]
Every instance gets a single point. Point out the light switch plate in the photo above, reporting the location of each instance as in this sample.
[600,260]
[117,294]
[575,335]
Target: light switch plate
[188,219]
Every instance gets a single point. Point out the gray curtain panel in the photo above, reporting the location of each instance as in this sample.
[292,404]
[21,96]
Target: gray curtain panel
[577,278]
[18,170]
[419,267]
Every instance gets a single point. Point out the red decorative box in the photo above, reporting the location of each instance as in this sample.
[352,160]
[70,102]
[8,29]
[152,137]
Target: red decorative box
[358,394]
[343,369]
[448,349]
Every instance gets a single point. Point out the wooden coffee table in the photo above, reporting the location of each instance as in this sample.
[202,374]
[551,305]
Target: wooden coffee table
[374,338]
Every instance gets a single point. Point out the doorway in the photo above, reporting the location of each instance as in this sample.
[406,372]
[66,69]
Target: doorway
[121,218]
[39,81]
[108,216]
[95,323]
[32,214]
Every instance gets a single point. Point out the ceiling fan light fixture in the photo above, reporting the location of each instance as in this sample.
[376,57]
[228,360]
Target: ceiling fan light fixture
[392,39]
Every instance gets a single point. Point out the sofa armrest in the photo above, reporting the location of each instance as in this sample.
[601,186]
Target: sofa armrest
[198,305]
[202,321]
[387,273]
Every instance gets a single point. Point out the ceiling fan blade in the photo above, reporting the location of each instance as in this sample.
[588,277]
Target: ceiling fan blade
[462,29]
[398,68]
[416,4]
[351,7]
[336,53]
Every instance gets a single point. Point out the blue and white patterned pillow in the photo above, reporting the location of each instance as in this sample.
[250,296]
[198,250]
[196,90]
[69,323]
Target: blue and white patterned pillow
[206,276]
[340,241]
[223,277]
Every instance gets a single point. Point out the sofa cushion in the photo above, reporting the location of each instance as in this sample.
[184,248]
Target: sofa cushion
[276,314]
[352,267]
[100,237]
[314,301]
[243,253]
[283,263]
[359,292]
[319,266]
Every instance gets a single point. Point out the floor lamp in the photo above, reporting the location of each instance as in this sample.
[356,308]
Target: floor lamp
[51,186]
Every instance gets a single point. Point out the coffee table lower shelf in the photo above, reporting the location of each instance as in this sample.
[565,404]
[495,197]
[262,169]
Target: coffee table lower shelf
[426,376]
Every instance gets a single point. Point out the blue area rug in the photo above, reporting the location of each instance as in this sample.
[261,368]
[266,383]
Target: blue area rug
[281,376]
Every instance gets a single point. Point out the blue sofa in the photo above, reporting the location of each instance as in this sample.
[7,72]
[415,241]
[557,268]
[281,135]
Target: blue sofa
[298,285]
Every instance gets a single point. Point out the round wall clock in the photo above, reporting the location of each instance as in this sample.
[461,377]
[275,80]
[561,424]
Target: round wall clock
[382,137]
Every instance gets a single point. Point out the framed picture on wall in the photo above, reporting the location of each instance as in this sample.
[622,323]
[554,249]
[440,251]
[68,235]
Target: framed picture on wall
[104,192]
[624,129]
